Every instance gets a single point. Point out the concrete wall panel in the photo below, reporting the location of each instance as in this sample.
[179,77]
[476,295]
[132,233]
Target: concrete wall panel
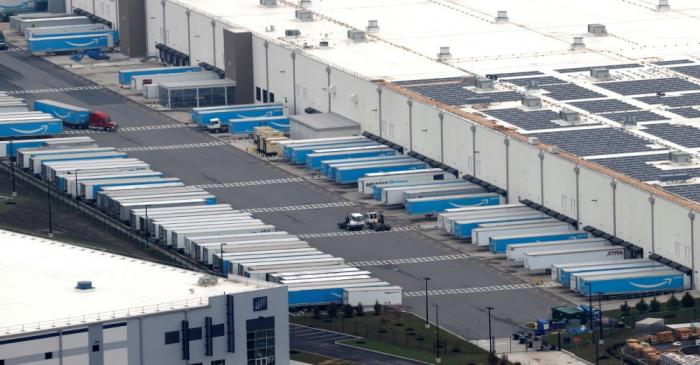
[201,39]
[426,131]
[524,172]
[357,99]
[219,44]
[259,63]
[281,75]
[560,185]
[311,84]
[596,204]
[634,216]
[154,26]
[395,119]
[176,24]
[490,158]
[672,232]
[458,143]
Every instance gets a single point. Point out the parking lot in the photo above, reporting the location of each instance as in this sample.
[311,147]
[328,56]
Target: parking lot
[294,203]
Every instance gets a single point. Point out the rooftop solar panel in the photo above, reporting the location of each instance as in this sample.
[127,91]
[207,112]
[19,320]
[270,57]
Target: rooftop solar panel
[528,120]
[570,92]
[456,94]
[691,191]
[691,70]
[673,101]
[429,81]
[649,86]
[672,62]
[640,115]
[591,142]
[639,168]
[539,81]
[604,105]
[684,135]
[686,112]
[609,67]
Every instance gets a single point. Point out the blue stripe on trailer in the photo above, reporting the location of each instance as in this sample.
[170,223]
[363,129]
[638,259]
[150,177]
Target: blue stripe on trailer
[440,204]
[500,245]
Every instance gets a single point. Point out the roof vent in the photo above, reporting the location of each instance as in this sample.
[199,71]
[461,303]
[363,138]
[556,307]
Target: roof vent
[501,16]
[373,26]
[531,101]
[597,29]
[268,3]
[304,3]
[663,6]
[600,74]
[84,285]
[207,280]
[304,15]
[679,157]
[569,116]
[578,43]
[444,54]
[533,140]
[357,35]
[292,32]
[483,83]
[323,44]
[629,120]
[532,84]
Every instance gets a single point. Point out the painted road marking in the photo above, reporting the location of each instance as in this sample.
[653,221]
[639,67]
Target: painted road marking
[172,147]
[56,90]
[480,289]
[355,233]
[13,49]
[412,260]
[128,129]
[249,183]
[301,207]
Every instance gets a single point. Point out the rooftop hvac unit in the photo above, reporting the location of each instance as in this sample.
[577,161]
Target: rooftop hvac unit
[569,116]
[597,29]
[292,32]
[663,5]
[679,157]
[501,16]
[578,43]
[373,26]
[268,3]
[323,44]
[600,74]
[84,285]
[484,83]
[304,3]
[207,280]
[444,54]
[304,15]
[531,101]
[357,35]
[629,120]
[533,140]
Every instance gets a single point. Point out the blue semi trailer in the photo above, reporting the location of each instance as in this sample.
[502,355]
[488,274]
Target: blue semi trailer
[499,244]
[310,297]
[462,229]
[330,168]
[218,119]
[654,281]
[298,155]
[125,76]
[350,174]
[19,128]
[246,126]
[70,43]
[114,33]
[434,205]
[313,161]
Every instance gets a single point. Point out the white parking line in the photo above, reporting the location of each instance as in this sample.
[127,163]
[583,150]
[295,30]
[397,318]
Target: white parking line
[56,90]
[300,207]
[249,183]
[172,147]
[480,289]
[128,129]
[356,233]
[412,260]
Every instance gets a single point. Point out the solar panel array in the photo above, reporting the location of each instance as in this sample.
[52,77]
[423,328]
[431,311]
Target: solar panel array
[456,94]
[609,67]
[518,74]
[604,105]
[539,81]
[570,92]
[528,120]
[429,81]
[686,112]
[691,192]
[649,86]
[639,168]
[591,142]
[684,135]
[672,62]
[673,101]
[691,70]
[640,115]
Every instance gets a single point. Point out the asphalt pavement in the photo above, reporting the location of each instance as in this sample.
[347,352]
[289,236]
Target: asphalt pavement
[199,159]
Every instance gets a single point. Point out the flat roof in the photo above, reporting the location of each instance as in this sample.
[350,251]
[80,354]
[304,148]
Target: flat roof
[324,121]
[197,83]
[39,278]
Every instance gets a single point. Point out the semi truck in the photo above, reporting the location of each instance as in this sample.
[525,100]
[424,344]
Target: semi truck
[545,259]
[499,244]
[329,168]
[71,43]
[577,280]
[124,76]
[246,126]
[462,229]
[298,155]
[138,216]
[22,127]
[482,234]
[88,189]
[350,174]
[516,252]
[434,205]
[286,147]
[64,29]
[24,155]
[445,220]
[177,239]
[67,183]
[10,148]
[75,116]
[203,116]
[366,184]
[392,194]
[37,164]
[634,283]
[125,209]
[313,160]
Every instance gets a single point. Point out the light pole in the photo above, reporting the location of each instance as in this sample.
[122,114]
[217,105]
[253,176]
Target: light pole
[437,335]
[427,323]
[146,222]
[48,196]
[600,316]
[13,157]
[221,259]
[489,309]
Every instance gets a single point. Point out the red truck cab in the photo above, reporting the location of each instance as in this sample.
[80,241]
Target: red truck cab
[102,120]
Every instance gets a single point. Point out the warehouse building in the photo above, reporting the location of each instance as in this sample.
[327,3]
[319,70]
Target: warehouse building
[587,113]
[110,309]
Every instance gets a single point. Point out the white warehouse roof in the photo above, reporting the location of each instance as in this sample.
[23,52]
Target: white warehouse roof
[39,277]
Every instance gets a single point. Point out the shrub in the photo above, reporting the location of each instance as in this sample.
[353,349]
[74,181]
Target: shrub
[641,306]
[625,309]
[348,310]
[359,310]
[673,303]
[332,310]
[492,359]
[377,308]
[654,305]
[687,301]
